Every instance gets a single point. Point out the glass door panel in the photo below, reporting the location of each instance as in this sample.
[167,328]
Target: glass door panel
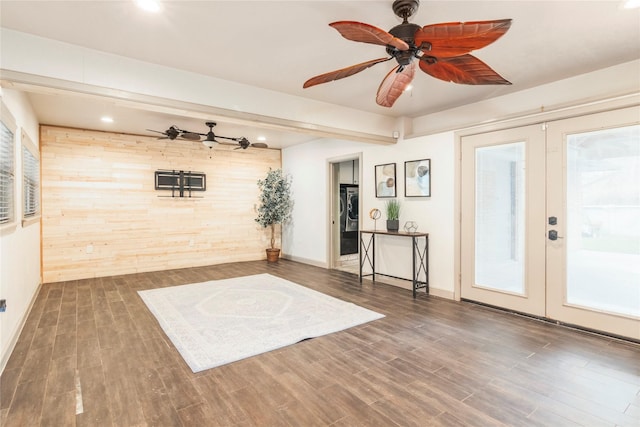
[603,220]
[499,217]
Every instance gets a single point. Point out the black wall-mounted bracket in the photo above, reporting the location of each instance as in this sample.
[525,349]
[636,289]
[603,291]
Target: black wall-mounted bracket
[181,183]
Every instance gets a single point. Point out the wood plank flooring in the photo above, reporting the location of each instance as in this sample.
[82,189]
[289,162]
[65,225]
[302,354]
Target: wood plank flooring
[91,354]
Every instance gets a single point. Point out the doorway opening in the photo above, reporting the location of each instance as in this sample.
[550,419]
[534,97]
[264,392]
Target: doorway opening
[345,222]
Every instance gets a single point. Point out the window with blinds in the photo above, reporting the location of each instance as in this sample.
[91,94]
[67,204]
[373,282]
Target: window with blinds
[7,174]
[30,183]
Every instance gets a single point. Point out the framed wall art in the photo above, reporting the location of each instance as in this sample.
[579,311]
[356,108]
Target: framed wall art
[386,180]
[417,178]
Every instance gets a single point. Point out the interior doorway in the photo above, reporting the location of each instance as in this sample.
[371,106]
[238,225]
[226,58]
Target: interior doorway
[549,220]
[345,213]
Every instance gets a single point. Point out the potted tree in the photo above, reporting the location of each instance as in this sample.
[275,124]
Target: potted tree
[275,205]
[392,208]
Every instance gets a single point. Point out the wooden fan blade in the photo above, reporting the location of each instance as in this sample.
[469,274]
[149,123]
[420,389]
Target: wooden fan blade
[365,33]
[191,136]
[458,38]
[342,73]
[464,69]
[394,84]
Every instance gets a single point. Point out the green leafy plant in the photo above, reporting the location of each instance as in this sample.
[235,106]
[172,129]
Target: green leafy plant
[392,208]
[276,203]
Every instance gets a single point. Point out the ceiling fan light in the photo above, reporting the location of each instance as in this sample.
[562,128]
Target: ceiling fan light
[152,6]
[210,142]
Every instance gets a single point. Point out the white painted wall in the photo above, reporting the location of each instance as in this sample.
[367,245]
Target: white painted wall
[306,237]
[19,249]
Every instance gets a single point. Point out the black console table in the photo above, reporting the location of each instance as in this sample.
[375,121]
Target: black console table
[420,256]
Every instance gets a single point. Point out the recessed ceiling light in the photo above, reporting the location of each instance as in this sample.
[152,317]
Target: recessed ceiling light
[149,5]
[408,88]
[631,4]
[262,138]
[106,119]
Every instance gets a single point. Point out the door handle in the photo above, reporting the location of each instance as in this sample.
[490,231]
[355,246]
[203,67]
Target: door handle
[553,235]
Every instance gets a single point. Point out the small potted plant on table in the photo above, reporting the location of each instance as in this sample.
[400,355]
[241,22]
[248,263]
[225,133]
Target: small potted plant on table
[392,208]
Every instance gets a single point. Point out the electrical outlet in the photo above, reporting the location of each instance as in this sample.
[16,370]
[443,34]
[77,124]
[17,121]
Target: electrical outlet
[3,305]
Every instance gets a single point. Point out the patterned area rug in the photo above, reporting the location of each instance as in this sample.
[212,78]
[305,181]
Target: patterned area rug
[222,321]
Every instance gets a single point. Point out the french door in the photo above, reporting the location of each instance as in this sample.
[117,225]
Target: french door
[550,220]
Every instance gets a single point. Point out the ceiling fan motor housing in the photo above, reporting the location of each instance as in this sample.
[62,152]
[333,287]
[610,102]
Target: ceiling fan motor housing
[406,32]
[405,8]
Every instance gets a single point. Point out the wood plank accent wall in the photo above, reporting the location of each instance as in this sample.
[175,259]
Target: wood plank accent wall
[101,215]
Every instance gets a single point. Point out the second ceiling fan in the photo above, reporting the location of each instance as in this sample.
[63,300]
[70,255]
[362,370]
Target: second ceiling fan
[210,137]
[440,50]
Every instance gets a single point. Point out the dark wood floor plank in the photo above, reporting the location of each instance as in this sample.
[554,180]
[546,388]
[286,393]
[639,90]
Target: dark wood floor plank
[315,404]
[20,352]
[59,410]
[124,402]
[36,365]
[88,353]
[26,405]
[224,410]
[48,318]
[346,402]
[179,386]
[64,345]
[8,383]
[158,410]
[258,410]
[93,389]
[405,410]
[67,323]
[61,378]
[428,362]
[439,399]
[44,337]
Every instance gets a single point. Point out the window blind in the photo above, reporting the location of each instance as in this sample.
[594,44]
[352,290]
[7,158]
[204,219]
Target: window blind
[7,177]
[30,183]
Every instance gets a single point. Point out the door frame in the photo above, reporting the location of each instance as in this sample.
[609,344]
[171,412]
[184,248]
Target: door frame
[333,207]
[540,118]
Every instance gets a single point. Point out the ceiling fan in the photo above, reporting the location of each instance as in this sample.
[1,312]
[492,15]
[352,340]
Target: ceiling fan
[440,50]
[210,141]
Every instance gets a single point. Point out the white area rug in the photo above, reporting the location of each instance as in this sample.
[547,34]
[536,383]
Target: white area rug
[221,321]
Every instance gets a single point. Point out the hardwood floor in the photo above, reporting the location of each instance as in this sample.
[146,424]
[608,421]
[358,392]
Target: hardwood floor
[91,354]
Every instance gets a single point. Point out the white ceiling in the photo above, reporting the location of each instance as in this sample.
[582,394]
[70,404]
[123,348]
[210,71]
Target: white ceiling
[278,45]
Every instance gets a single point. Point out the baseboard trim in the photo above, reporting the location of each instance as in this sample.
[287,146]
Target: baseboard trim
[305,260]
[16,335]
[406,284]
